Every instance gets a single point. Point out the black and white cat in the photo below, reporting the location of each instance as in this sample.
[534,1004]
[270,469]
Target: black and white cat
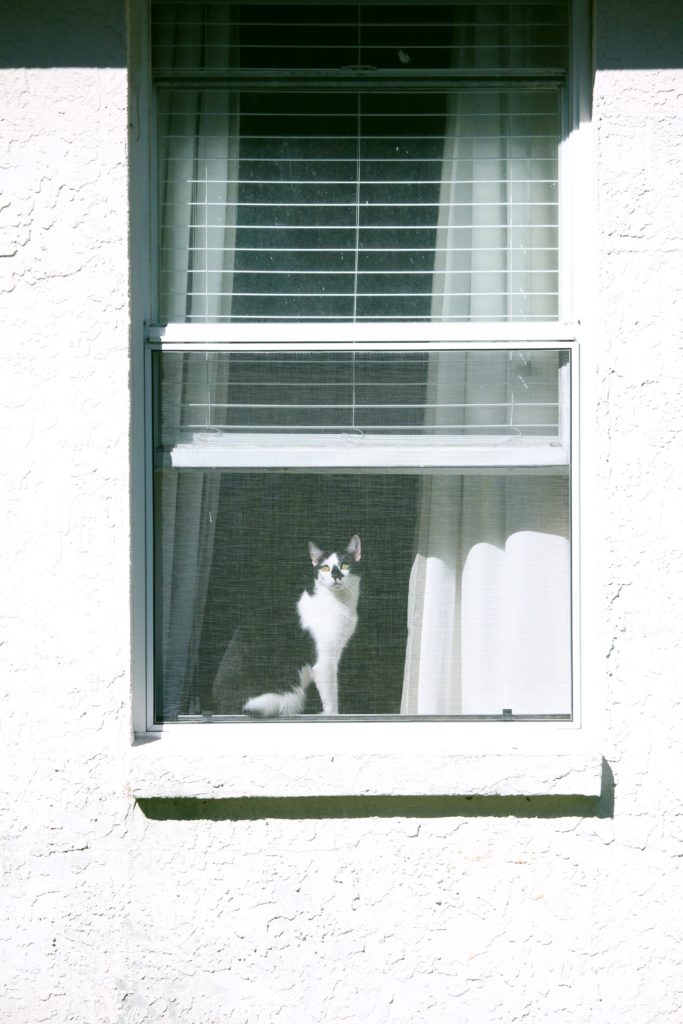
[285,657]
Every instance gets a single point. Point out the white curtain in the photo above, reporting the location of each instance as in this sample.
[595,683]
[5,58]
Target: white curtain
[199,172]
[488,614]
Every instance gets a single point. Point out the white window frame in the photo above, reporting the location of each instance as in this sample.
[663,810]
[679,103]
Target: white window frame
[409,746]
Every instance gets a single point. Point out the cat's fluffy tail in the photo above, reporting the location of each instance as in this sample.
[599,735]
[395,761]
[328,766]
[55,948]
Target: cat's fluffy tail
[277,705]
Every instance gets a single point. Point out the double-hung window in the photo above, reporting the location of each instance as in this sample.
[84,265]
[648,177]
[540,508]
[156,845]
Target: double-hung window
[358,325]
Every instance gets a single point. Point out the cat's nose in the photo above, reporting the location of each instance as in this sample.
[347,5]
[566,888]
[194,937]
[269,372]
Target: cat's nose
[336,573]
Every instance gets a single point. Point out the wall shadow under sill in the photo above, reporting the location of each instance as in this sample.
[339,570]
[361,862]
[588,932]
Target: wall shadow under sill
[338,807]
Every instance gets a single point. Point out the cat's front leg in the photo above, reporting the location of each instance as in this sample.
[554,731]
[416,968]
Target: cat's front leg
[325,676]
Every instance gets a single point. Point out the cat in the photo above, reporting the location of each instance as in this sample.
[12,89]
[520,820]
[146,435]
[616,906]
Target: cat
[286,657]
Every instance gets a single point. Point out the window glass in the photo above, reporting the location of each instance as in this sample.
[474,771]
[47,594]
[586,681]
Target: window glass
[505,395]
[347,206]
[346,163]
[503,34]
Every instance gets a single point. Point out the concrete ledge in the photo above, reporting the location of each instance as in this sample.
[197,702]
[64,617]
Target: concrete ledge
[171,768]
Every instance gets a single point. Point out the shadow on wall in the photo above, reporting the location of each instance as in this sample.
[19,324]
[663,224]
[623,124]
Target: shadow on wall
[633,35]
[630,34]
[80,34]
[258,808]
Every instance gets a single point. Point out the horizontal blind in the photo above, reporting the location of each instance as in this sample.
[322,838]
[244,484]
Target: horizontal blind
[345,206]
[448,394]
[197,37]
[305,202]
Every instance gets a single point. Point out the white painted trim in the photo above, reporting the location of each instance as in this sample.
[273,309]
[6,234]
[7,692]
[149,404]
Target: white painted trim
[574,197]
[140,242]
[248,452]
[294,759]
[149,674]
[578,213]
[573,439]
[303,335]
[588,613]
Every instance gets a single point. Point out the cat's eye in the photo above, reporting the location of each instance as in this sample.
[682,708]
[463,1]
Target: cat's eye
[345,565]
[324,568]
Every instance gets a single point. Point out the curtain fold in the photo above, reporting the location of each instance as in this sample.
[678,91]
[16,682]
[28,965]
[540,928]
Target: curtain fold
[488,611]
[199,174]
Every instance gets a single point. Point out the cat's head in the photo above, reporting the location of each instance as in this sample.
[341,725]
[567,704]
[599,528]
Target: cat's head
[335,569]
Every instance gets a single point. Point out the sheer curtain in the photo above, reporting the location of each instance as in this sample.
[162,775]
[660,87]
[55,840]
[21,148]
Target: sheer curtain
[198,159]
[488,613]
[186,511]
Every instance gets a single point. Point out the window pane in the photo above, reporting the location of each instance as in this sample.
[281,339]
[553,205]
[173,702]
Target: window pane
[284,199]
[464,584]
[390,206]
[194,36]
[447,395]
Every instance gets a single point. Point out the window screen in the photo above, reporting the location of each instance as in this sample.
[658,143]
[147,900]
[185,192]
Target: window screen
[464,588]
[360,164]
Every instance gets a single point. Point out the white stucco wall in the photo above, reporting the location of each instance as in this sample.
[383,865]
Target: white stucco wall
[558,909]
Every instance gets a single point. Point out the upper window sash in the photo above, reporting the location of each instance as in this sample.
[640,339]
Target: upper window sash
[414,177]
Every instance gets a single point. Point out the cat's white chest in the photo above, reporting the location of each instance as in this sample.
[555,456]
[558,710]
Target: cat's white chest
[330,618]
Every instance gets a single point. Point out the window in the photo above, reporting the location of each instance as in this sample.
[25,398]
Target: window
[359,309]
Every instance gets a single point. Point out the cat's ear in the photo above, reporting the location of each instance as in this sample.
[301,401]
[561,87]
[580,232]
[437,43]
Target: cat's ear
[353,548]
[315,552]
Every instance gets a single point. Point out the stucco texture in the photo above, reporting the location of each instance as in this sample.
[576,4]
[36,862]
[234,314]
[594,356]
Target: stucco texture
[434,911]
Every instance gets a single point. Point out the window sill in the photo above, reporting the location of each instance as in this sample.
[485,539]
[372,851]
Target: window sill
[281,760]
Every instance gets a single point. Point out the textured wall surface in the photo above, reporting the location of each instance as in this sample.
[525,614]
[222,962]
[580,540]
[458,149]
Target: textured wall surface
[438,911]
